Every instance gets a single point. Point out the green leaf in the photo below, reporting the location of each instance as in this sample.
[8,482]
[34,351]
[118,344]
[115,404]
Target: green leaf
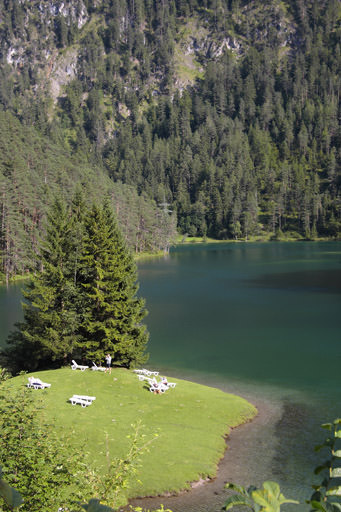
[334,491]
[316,496]
[272,488]
[325,482]
[338,434]
[270,498]
[337,453]
[237,500]
[261,498]
[323,506]
[11,496]
[236,488]
[317,505]
[330,507]
[337,421]
[336,506]
[327,426]
[335,473]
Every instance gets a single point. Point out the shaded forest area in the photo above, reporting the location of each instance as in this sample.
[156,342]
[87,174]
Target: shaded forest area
[34,170]
[224,111]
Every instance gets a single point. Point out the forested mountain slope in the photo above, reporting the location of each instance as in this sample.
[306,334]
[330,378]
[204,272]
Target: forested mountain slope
[228,110]
[34,170]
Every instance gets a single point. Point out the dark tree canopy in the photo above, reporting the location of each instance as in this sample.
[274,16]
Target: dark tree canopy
[83,302]
[112,312]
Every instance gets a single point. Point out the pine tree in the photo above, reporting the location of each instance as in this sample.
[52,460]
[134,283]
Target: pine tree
[83,303]
[48,333]
[112,311]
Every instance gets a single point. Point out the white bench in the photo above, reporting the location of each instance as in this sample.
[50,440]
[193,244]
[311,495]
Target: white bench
[146,372]
[76,366]
[96,368]
[35,383]
[85,397]
[159,386]
[148,379]
[82,400]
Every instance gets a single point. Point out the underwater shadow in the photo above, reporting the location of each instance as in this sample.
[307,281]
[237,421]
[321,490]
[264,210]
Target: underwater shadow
[319,281]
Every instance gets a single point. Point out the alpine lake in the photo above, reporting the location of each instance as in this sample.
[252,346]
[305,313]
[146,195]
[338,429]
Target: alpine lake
[261,320]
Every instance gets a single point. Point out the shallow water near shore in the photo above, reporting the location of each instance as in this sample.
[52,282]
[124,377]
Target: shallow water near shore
[259,320]
[276,445]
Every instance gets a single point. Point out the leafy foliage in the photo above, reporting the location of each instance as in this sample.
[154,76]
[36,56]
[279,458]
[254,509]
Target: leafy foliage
[266,499]
[40,472]
[34,460]
[111,488]
[326,495]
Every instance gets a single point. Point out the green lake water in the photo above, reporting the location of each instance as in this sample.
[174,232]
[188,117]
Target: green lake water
[261,320]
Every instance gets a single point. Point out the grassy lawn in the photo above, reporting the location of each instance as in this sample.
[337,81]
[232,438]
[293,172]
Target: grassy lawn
[191,421]
[184,239]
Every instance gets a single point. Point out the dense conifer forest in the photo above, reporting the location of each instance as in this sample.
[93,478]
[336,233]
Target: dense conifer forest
[225,112]
[34,170]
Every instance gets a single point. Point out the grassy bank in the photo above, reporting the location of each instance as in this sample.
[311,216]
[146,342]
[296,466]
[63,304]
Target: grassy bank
[148,255]
[185,240]
[191,422]
[265,237]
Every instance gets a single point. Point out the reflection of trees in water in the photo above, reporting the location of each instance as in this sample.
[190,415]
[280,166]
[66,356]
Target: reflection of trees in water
[313,280]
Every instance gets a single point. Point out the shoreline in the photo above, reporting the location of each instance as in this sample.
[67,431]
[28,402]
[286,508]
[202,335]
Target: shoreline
[265,239]
[190,241]
[243,442]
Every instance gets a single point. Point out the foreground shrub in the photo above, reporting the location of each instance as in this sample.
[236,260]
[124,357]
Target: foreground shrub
[33,459]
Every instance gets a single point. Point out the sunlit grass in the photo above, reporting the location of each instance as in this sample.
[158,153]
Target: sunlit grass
[191,422]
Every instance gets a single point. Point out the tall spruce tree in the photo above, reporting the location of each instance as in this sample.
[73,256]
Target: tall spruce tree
[112,312]
[83,302]
[48,333]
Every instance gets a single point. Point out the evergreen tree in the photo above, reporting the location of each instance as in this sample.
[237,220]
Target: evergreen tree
[83,302]
[112,311]
[49,330]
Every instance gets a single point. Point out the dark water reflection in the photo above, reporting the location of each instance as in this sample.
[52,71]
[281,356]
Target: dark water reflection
[322,281]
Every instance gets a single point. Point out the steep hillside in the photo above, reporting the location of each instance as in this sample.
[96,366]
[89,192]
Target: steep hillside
[126,47]
[33,170]
[226,109]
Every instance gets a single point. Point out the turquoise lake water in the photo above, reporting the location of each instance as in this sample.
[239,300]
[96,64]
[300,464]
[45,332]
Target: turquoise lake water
[264,321]
[261,320]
